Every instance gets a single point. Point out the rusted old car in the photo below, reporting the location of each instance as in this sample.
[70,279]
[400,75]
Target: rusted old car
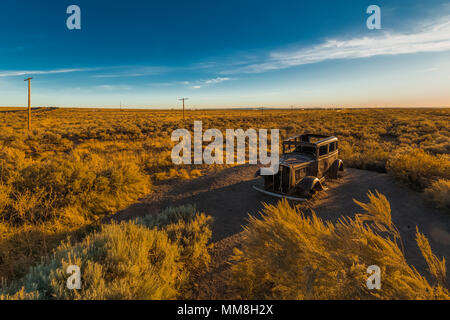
[306,162]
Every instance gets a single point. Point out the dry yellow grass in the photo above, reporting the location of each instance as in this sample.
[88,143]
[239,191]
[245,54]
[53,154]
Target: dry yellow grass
[439,193]
[287,255]
[152,258]
[418,168]
[79,165]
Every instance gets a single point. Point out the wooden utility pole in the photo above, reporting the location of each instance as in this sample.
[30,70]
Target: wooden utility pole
[29,103]
[183,99]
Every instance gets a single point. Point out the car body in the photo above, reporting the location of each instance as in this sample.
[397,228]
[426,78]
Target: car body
[306,162]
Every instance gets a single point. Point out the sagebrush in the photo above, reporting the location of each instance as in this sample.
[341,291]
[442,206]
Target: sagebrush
[130,260]
[288,255]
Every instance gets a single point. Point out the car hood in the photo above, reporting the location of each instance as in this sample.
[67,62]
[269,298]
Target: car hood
[293,159]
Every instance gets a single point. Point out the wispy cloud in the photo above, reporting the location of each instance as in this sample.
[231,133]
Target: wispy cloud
[16,73]
[202,83]
[113,87]
[218,80]
[118,75]
[432,69]
[433,37]
[133,71]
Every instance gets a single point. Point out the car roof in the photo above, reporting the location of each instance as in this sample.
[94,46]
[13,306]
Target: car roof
[324,139]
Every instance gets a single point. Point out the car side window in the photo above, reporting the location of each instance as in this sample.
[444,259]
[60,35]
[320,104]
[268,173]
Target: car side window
[332,147]
[323,150]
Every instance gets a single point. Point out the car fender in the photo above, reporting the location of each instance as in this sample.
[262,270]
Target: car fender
[310,183]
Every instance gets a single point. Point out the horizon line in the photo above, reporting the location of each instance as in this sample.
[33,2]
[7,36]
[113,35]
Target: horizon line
[252,108]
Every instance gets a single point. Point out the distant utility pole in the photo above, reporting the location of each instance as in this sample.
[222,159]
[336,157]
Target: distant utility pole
[292,108]
[183,99]
[29,103]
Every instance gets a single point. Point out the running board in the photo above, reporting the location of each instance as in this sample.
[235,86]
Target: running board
[273,194]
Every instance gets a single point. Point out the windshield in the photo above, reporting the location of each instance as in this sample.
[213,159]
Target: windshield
[306,149]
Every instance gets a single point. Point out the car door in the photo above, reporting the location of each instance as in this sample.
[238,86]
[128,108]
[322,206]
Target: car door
[327,159]
[323,160]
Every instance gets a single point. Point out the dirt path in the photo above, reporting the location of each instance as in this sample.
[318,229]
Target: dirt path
[228,196]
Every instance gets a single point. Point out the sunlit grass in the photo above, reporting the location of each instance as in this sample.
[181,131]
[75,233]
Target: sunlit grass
[80,165]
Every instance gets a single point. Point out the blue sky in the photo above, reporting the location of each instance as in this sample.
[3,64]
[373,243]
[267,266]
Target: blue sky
[225,53]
